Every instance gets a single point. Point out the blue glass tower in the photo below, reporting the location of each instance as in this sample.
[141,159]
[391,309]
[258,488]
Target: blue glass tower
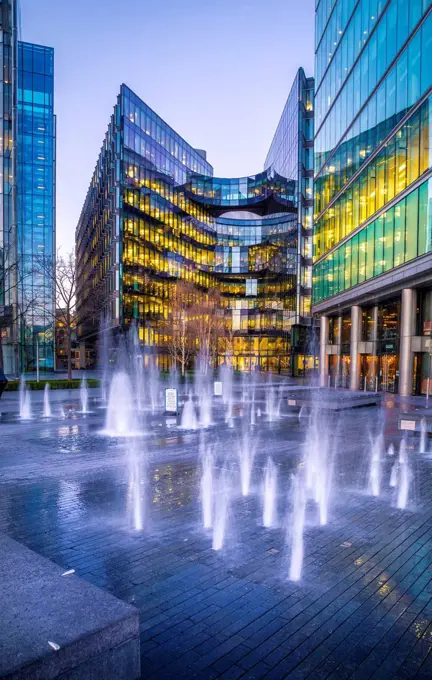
[35,204]
[8,246]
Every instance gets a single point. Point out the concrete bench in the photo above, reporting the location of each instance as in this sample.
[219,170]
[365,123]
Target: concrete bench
[329,401]
[54,624]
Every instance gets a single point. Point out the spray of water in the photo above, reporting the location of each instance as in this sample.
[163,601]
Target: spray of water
[318,458]
[120,417]
[25,401]
[206,485]
[271,408]
[246,454]
[394,475]
[423,435]
[269,494]
[189,419]
[221,508]
[154,384]
[84,396]
[47,406]
[297,526]
[136,487]
[404,476]
[103,359]
[205,408]
[376,448]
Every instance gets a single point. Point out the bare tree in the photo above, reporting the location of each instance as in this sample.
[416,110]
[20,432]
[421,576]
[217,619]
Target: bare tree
[62,272]
[227,339]
[179,326]
[208,325]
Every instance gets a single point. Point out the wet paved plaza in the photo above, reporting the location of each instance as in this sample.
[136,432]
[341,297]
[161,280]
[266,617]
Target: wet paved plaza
[363,607]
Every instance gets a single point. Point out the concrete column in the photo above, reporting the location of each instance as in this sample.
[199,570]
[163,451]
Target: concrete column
[375,323]
[324,331]
[407,330]
[354,347]
[338,342]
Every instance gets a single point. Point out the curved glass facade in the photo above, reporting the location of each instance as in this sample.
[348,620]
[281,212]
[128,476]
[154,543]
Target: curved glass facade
[150,219]
[268,189]
[255,245]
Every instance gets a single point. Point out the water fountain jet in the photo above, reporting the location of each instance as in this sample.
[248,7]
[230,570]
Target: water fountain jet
[47,406]
[84,396]
[404,476]
[135,487]
[205,409]
[246,453]
[120,417]
[377,447]
[189,419]
[207,487]
[423,435]
[25,401]
[270,486]
[221,509]
[298,522]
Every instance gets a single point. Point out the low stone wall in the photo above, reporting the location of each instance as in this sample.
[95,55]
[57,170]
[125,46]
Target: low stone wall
[54,624]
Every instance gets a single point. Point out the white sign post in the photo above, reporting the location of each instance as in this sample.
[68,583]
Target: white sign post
[171,403]
[217,388]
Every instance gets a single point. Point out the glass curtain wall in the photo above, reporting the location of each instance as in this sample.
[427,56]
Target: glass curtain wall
[8,243]
[36,205]
[152,218]
[372,145]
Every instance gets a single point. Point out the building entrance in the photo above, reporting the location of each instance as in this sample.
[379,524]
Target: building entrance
[368,372]
[388,378]
[422,373]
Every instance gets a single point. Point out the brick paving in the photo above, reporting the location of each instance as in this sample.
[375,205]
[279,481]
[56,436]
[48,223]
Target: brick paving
[363,608]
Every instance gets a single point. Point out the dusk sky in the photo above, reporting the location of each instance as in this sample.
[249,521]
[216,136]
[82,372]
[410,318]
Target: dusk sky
[217,71]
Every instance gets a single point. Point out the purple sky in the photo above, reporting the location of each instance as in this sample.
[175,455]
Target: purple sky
[217,71]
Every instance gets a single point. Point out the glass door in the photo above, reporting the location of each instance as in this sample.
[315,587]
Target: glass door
[389,373]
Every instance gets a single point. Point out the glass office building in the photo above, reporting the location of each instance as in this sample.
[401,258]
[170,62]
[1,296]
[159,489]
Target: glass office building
[291,155]
[372,277]
[8,245]
[36,204]
[155,215]
[27,197]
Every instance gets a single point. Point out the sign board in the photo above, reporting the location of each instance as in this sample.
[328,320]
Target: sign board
[218,389]
[408,425]
[291,402]
[170,400]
